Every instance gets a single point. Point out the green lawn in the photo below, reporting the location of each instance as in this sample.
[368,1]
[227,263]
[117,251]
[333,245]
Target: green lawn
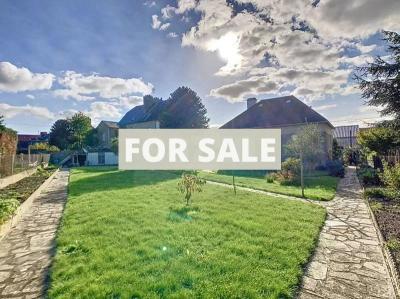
[318,185]
[129,235]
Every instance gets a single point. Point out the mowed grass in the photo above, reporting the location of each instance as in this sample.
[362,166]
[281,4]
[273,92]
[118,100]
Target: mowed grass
[318,186]
[129,235]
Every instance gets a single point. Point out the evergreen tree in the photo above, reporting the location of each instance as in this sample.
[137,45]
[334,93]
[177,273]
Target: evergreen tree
[184,109]
[379,81]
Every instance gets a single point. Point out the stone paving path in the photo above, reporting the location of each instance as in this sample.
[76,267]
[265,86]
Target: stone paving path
[348,261]
[26,251]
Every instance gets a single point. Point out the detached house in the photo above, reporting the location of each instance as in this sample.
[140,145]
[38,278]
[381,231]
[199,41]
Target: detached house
[144,116]
[286,113]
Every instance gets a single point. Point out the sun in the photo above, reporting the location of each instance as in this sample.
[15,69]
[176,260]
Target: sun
[227,47]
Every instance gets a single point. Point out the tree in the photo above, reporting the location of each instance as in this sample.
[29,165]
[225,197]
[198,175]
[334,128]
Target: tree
[81,126]
[189,184]
[44,147]
[337,151]
[114,145]
[379,140]
[184,109]
[306,146]
[61,134]
[379,81]
[2,126]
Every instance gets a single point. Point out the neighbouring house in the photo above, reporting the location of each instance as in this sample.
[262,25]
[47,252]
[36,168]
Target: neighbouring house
[346,136]
[144,116]
[106,132]
[25,140]
[286,113]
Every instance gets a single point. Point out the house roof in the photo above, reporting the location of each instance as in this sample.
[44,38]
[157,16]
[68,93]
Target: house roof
[276,113]
[111,124]
[345,131]
[138,114]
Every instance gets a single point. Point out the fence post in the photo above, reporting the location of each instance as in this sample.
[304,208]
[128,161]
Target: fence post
[12,163]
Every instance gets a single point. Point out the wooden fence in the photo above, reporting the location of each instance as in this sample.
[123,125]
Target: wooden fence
[12,164]
[393,156]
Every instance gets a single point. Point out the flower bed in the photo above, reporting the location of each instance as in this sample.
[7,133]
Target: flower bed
[12,196]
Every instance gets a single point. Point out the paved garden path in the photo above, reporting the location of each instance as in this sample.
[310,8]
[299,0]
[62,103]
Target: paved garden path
[26,251]
[348,261]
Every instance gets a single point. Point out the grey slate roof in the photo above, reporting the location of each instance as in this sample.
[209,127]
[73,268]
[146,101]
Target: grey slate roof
[275,113]
[111,124]
[345,131]
[138,114]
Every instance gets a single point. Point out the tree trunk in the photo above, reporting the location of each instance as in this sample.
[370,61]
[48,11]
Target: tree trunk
[302,174]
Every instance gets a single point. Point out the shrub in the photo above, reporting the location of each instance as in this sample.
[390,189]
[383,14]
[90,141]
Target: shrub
[189,184]
[335,168]
[351,156]
[382,193]
[7,208]
[390,176]
[320,167]
[270,177]
[369,176]
[290,171]
[393,244]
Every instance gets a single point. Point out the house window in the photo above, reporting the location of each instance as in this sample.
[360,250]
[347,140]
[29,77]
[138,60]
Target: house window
[101,159]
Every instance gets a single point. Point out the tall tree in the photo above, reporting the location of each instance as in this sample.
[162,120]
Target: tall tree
[379,81]
[184,109]
[61,134]
[81,126]
[2,126]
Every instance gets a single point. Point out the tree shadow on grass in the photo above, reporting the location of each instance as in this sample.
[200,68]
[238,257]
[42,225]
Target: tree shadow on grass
[182,214]
[108,179]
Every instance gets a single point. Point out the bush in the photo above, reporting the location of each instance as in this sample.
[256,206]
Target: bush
[369,176]
[382,193]
[271,177]
[7,208]
[320,167]
[335,168]
[351,156]
[390,176]
[290,171]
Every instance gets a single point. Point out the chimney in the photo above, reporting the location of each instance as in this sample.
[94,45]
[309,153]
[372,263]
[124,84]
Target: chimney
[148,102]
[251,102]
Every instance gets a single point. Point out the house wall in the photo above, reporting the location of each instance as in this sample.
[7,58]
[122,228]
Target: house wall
[109,159]
[106,134]
[326,131]
[154,124]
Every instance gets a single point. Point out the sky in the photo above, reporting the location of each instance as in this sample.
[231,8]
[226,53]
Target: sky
[100,57]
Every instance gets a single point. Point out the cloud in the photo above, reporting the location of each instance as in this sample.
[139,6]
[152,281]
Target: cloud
[71,94]
[172,35]
[325,107]
[239,90]
[83,88]
[299,46]
[10,111]
[30,96]
[130,102]
[168,12]
[165,26]
[156,23]
[15,79]
[102,111]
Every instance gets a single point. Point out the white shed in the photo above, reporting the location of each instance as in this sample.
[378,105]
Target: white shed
[101,158]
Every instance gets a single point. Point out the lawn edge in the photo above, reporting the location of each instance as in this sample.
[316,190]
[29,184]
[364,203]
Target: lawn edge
[277,193]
